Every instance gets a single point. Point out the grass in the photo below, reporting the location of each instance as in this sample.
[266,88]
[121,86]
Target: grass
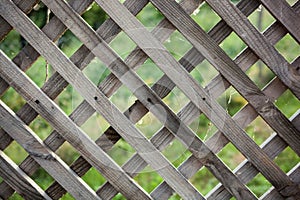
[96,71]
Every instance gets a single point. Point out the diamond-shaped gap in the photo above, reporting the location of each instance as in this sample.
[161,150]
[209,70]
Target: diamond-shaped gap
[40,71]
[176,152]
[259,185]
[204,73]
[149,72]
[67,196]
[94,178]
[122,45]
[16,152]
[16,196]
[203,127]
[259,130]
[204,12]
[42,178]
[94,16]
[288,48]
[41,127]
[12,44]
[121,152]
[123,98]
[175,196]
[261,18]
[148,125]
[13,99]
[204,181]
[287,159]
[148,179]
[94,126]
[232,45]
[96,71]
[176,100]
[69,43]
[287,103]
[68,99]
[150,16]
[231,101]
[40,15]
[67,153]
[260,74]
[177,45]
[119,196]
[291,2]
[231,156]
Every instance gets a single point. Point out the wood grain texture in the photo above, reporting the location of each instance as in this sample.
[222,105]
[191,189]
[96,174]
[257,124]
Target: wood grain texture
[236,77]
[25,6]
[258,43]
[294,174]
[153,103]
[42,155]
[245,172]
[282,11]
[56,84]
[192,90]
[22,183]
[66,127]
[54,29]
[107,109]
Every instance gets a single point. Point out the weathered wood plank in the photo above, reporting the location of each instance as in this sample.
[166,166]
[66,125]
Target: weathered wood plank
[22,183]
[42,155]
[258,43]
[25,6]
[153,103]
[72,133]
[294,174]
[282,11]
[56,84]
[54,29]
[245,171]
[200,98]
[103,106]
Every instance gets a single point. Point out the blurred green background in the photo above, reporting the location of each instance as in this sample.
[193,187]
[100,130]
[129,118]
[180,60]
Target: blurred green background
[204,181]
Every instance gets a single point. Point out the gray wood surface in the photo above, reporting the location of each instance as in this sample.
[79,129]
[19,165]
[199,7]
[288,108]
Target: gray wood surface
[282,11]
[192,90]
[98,100]
[150,99]
[66,127]
[41,154]
[22,183]
[153,103]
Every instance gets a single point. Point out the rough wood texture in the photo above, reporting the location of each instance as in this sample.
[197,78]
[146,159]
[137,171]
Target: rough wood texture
[176,74]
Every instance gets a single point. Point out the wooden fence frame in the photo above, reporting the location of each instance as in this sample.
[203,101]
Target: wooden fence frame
[259,159]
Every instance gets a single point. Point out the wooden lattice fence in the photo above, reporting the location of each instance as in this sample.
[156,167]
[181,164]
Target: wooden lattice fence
[41,101]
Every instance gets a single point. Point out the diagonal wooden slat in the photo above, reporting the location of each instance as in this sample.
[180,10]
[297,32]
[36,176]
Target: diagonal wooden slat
[150,100]
[199,97]
[103,106]
[104,143]
[234,75]
[258,43]
[245,172]
[22,183]
[274,90]
[273,194]
[54,29]
[44,156]
[25,6]
[74,135]
[282,11]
